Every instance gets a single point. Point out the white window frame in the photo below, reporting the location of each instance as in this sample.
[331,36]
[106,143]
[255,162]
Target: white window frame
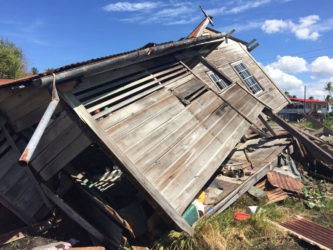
[250,76]
[218,80]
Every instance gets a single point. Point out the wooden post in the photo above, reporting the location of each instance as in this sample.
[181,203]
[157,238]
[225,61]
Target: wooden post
[267,125]
[304,98]
[253,47]
[74,215]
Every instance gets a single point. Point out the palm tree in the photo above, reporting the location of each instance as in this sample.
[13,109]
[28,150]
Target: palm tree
[329,88]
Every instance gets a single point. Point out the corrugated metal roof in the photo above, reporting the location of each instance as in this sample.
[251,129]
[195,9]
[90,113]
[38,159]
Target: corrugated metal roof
[197,30]
[275,195]
[310,232]
[308,100]
[285,182]
[88,62]
[5,81]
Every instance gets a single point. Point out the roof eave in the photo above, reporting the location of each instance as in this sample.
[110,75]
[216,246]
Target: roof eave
[118,61]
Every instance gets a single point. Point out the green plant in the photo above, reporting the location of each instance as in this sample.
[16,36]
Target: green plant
[313,195]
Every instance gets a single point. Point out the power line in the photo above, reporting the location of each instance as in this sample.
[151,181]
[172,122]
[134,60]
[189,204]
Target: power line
[301,53]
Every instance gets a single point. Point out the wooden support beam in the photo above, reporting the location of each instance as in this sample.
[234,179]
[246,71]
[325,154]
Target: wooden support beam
[74,215]
[315,150]
[258,130]
[253,47]
[267,125]
[215,69]
[252,41]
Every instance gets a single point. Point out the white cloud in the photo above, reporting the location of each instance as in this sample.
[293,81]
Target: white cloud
[307,28]
[322,66]
[242,27]
[290,64]
[127,6]
[274,25]
[166,13]
[241,6]
[246,6]
[283,80]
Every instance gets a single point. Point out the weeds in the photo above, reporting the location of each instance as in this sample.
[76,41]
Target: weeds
[223,232]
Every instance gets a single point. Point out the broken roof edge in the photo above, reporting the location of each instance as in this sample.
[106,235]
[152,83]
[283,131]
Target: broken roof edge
[85,68]
[230,37]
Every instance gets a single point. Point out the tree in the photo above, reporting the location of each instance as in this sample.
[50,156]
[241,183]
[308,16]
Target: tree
[294,96]
[329,98]
[287,94]
[329,88]
[34,70]
[49,70]
[311,97]
[12,64]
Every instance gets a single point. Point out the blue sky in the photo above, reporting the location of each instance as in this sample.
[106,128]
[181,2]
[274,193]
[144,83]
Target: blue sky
[295,36]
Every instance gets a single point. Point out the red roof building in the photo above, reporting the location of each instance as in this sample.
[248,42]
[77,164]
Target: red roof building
[295,110]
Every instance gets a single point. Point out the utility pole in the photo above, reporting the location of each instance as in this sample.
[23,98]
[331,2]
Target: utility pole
[304,97]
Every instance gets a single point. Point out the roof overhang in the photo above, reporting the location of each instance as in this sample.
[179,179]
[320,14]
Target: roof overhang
[94,66]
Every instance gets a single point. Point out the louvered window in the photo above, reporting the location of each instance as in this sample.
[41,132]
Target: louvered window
[249,80]
[222,84]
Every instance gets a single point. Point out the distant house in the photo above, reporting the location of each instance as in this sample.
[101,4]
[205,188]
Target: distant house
[294,111]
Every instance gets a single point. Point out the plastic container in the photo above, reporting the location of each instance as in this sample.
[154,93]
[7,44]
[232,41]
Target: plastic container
[202,196]
[191,214]
[199,206]
[241,216]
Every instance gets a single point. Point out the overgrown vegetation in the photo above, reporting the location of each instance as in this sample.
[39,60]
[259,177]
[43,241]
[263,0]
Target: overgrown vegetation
[223,232]
[12,63]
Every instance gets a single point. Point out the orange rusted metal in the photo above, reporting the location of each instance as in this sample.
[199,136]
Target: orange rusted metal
[275,195]
[284,181]
[309,231]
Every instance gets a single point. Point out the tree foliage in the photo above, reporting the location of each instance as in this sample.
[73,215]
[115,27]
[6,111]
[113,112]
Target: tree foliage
[11,60]
[34,70]
[329,88]
[287,94]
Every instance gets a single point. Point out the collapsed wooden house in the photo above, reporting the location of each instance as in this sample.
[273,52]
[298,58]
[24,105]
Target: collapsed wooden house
[167,115]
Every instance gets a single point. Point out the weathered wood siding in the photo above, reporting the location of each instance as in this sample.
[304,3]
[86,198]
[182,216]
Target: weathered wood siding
[21,109]
[174,143]
[17,191]
[227,54]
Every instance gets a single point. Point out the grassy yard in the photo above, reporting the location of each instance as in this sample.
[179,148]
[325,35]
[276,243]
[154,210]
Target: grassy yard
[223,232]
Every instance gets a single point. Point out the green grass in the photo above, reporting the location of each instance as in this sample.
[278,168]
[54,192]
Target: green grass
[329,124]
[223,232]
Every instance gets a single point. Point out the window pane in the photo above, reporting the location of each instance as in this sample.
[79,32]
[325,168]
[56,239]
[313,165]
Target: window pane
[249,80]
[220,82]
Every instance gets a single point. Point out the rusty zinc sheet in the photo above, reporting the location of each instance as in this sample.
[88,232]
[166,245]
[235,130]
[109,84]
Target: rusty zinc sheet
[284,181]
[275,195]
[309,231]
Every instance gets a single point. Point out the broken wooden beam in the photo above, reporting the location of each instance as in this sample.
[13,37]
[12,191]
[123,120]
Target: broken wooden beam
[74,215]
[315,150]
[264,122]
